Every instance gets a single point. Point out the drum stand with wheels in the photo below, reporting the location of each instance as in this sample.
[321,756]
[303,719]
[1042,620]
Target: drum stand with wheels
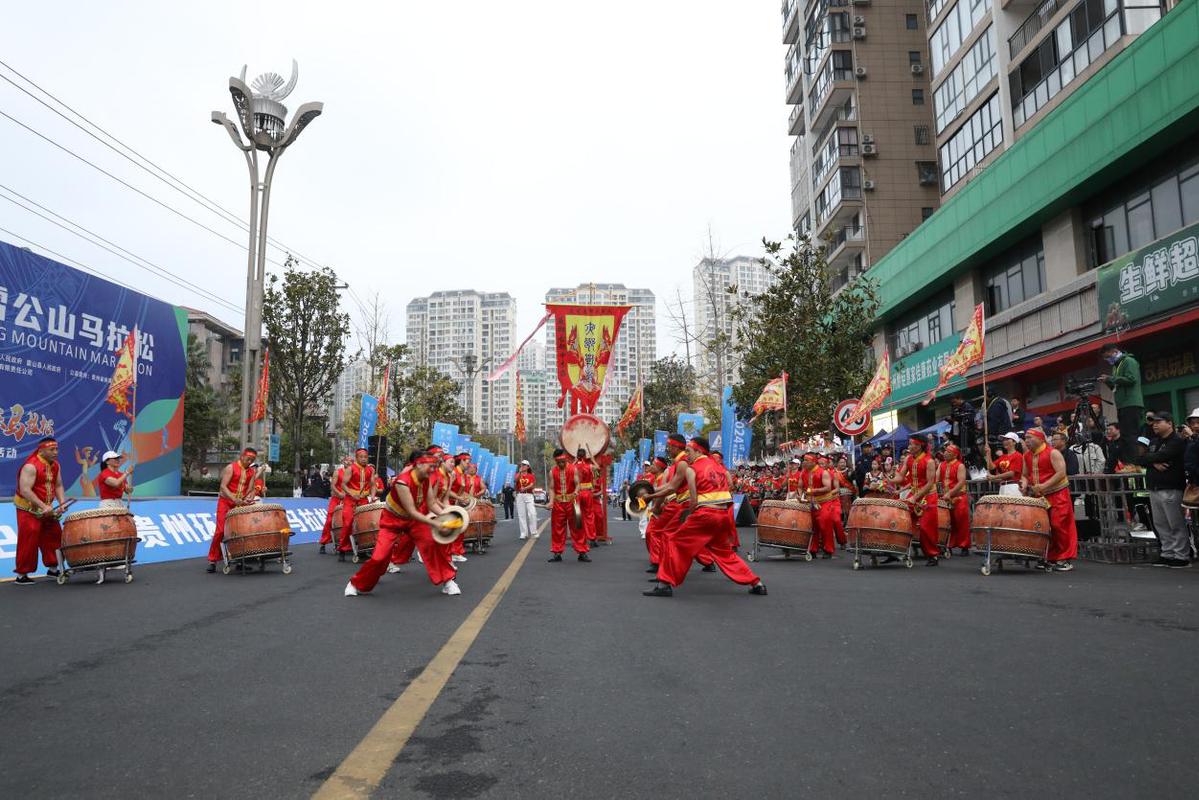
[262,558]
[360,553]
[755,552]
[858,551]
[995,557]
[126,563]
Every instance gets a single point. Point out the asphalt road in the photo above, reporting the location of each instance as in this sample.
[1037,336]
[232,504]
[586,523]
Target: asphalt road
[887,682]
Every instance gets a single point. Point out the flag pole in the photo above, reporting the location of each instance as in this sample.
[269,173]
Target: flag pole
[133,421]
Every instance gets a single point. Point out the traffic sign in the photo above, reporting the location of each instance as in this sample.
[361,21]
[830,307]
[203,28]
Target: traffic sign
[845,410]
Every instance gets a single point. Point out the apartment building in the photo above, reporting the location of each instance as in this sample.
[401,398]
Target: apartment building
[713,312]
[464,334]
[635,351]
[863,161]
[1068,142]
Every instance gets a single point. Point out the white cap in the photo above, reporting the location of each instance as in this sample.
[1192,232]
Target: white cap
[797,461]
[1015,437]
[109,454]
[645,463]
[525,464]
[1193,415]
[1143,440]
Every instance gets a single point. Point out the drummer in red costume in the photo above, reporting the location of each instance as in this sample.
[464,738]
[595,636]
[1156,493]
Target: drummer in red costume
[793,478]
[706,527]
[819,486]
[951,475]
[358,488]
[113,483]
[1045,476]
[585,474]
[237,486]
[922,471]
[460,493]
[39,484]
[655,473]
[336,493]
[718,457]
[406,520]
[563,495]
[671,496]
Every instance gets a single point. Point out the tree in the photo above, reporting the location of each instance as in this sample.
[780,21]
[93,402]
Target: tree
[819,337]
[371,330]
[315,446]
[669,391]
[307,335]
[202,410]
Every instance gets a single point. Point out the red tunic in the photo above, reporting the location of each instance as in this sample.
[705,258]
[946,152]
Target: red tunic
[525,482]
[793,482]
[359,481]
[563,484]
[419,489]
[240,481]
[1063,544]
[1010,462]
[108,492]
[43,484]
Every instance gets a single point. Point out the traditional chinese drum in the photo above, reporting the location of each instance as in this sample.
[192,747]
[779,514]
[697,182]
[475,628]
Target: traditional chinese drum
[366,525]
[482,521]
[944,524]
[98,536]
[335,523]
[880,525]
[785,523]
[257,529]
[584,432]
[1016,526]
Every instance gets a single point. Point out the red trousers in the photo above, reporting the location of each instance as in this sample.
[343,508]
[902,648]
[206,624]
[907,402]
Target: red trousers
[1063,541]
[655,532]
[348,505]
[736,536]
[399,534]
[826,524]
[587,510]
[34,534]
[599,517]
[561,518]
[926,527]
[222,509]
[327,531]
[959,522]
[708,530]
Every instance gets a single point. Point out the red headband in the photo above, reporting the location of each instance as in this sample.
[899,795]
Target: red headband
[1036,434]
[248,452]
[426,460]
[697,446]
[362,450]
[48,443]
[808,457]
[660,461]
[953,448]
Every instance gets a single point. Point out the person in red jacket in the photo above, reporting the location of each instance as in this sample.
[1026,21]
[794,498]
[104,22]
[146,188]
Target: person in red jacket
[336,493]
[563,495]
[358,488]
[819,487]
[112,482]
[922,473]
[237,487]
[952,477]
[39,485]
[585,475]
[706,527]
[1045,476]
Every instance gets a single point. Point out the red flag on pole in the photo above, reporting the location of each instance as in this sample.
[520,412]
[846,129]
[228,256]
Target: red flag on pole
[876,391]
[632,412]
[521,431]
[124,377]
[971,351]
[585,336]
[773,396]
[264,389]
[383,396]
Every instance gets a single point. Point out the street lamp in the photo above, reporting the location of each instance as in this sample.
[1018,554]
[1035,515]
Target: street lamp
[472,366]
[261,115]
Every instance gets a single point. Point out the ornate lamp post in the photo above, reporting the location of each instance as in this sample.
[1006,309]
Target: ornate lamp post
[261,116]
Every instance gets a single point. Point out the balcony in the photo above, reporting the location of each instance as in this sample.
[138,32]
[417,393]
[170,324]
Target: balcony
[1031,26]
[844,244]
[794,77]
[790,21]
[831,88]
[1049,321]
[795,125]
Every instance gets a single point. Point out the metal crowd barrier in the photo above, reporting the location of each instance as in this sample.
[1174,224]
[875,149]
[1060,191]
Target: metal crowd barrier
[1109,502]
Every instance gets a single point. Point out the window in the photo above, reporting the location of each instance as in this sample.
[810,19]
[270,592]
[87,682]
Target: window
[917,97]
[973,141]
[922,328]
[1015,276]
[921,134]
[926,172]
[913,56]
[912,22]
[966,80]
[842,65]
[926,212]
[955,29]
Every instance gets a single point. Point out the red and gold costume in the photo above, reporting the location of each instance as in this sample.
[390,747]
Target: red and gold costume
[707,530]
[564,487]
[398,531]
[926,514]
[339,476]
[949,478]
[36,533]
[586,481]
[599,504]
[666,519]
[358,485]
[1038,468]
[826,508]
[241,483]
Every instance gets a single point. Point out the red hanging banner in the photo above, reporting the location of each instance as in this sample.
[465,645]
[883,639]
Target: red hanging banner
[586,338]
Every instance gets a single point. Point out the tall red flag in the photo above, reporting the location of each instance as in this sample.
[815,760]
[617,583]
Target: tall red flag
[586,338]
[383,396]
[264,389]
[521,431]
[971,351]
[122,388]
[632,412]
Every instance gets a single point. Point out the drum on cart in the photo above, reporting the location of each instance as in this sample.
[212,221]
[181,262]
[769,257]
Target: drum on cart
[97,539]
[335,525]
[784,525]
[482,526]
[944,526]
[260,532]
[1010,527]
[880,527]
[366,530]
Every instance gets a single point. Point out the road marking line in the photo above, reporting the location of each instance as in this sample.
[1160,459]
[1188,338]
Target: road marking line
[364,768]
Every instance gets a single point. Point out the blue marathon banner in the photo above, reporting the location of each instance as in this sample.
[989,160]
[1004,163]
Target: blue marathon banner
[368,419]
[644,449]
[660,443]
[60,330]
[445,435]
[691,424]
[179,527]
[735,434]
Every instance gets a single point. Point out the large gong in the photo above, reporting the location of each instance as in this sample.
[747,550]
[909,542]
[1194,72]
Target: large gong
[587,432]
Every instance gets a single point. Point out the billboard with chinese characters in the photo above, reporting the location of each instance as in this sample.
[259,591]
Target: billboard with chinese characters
[1144,283]
[175,528]
[60,329]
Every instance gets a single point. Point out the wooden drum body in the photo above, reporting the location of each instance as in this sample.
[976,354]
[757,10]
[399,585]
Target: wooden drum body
[258,529]
[482,521]
[1018,526]
[944,524]
[366,525]
[880,525]
[785,523]
[98,536]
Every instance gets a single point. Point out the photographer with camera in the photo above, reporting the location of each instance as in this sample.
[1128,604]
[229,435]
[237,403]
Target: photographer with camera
[1125,382]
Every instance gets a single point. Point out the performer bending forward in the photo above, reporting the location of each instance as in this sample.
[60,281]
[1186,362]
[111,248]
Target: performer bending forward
[406,520]
[707,527]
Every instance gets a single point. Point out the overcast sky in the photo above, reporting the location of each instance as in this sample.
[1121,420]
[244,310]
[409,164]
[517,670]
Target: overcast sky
[494,146]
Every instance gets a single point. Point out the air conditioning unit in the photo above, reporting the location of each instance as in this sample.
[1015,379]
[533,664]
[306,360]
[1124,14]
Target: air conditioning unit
[867,138]
[859,72]
[917,69]
[859,33]
[868,185]
[861,2]
[859,21]
[869,150]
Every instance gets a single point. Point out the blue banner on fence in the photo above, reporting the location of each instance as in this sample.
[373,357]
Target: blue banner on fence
[272,451]
[60,329]
[368,419]
[644,448]
[445,435]
[660,443]
[175,528]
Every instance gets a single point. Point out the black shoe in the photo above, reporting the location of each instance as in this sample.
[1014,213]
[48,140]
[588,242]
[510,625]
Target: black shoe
[653,569]
[709,568]
[653,580]
[24,580]
[1177,563]
[51,572]
[322,551]
[661,590]
[1162,562]
[932,562]
[555,557]
[211,566]
[759,589]
[584,557]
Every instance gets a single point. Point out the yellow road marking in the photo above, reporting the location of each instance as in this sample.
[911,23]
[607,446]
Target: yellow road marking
[363,769]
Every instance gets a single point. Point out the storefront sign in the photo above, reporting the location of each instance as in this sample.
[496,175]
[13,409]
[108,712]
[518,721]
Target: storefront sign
[1149,281]
[1167,367]
[914,376]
